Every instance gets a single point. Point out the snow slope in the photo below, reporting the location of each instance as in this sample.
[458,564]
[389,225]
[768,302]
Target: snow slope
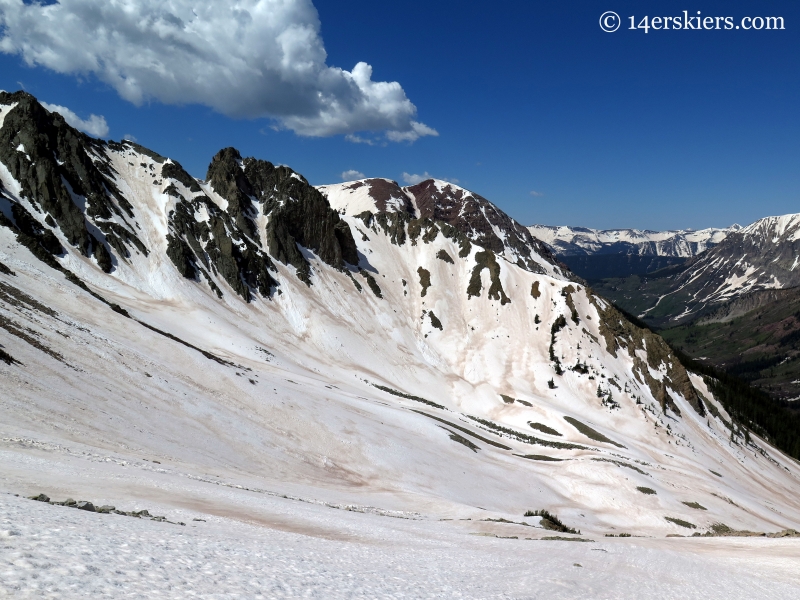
[435,379]
[285,549]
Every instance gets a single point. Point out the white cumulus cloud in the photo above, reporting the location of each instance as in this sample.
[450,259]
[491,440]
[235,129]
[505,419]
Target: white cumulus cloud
[248,58]
[414,179]
[352,175]
[95,125]
[417,131]
[536,194]
[357,139]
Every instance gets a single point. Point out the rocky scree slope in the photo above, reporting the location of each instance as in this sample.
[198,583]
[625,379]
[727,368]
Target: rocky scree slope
[393,346]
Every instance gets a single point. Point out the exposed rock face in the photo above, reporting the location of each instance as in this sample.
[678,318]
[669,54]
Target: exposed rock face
[59,168]
[205,238]
[478,219]
[297,212]
[621,334]
[173,170]
[196,247]
[31,227]
[453,209]
[226,177]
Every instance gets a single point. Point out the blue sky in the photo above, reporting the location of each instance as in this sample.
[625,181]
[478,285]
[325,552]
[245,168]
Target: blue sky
[661,130]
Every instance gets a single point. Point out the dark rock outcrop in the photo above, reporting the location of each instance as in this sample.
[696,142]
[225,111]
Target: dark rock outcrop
[487,260]
[6,271]
[173,170]
[197,247]
[476,217]
[64,174]
[299,214]
[227,243]
[226,177]
[621,334]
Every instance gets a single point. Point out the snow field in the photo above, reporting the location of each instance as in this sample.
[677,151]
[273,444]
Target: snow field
[128,416]
[57,552]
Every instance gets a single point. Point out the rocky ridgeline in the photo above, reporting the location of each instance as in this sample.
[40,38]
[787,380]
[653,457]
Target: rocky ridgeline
[54,164]
[457,212]
[228,243]
[105,509]
[70,184]
[479,220]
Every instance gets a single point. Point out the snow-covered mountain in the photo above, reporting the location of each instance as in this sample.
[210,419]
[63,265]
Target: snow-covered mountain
[404,352]
[762,256]
[473,215]
[573,241]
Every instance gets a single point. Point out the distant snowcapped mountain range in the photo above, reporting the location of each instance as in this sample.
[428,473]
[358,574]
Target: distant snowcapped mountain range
[575,241]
